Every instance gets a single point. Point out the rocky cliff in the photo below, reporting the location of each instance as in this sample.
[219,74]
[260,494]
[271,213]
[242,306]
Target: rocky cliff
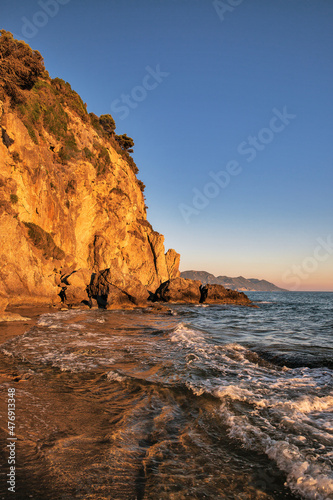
[71,204]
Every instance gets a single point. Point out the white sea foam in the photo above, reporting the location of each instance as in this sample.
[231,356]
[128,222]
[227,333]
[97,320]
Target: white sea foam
[55,318]
[287,413]
[305,475]
[114,376]
[313,403]
[68,347]
[6,353]
[186,335]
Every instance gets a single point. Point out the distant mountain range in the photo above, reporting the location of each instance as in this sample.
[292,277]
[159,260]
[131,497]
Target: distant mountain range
[240,283]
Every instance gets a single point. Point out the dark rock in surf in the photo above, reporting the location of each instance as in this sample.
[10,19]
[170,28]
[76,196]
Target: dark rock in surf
[74,287]
[217,294]
[113,289]
[179,290]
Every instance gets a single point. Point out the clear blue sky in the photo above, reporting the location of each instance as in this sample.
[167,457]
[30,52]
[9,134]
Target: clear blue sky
[223,68]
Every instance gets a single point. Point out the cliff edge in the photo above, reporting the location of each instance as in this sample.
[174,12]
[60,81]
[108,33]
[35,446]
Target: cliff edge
[71,204]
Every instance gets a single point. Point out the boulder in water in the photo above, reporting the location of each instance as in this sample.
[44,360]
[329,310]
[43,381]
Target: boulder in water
[179,290]
[217,294]
[112,289]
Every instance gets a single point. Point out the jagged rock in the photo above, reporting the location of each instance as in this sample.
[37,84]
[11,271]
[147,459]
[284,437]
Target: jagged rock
[74,296]
[74,287]
[179,290]
[172,259]
[156,242]
[80,278]
[111,288]
[217,294]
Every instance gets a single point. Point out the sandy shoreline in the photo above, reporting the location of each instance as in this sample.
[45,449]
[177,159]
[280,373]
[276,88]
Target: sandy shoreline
[9,329]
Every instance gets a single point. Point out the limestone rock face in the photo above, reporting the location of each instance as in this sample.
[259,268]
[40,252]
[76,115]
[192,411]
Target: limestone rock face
[172,259]
[60,214]
[113,289]
[217,294]
[179,290]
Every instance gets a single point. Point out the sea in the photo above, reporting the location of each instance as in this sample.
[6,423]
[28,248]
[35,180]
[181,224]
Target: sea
[198,402]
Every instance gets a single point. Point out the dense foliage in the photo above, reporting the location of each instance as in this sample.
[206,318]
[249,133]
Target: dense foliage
[43,103]
[126,143]
[107,123]
[20,67]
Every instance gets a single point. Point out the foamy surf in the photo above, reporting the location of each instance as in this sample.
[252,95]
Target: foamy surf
[283,415]
[185,401]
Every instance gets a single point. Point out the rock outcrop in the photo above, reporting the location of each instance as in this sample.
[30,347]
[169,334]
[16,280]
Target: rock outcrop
[71,204]
[183,291]
[113,289]
[179,290]
[74,287]
[172,259]
[217,294]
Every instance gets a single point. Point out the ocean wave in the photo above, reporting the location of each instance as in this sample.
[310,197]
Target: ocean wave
[283,412]
[305,475]
[182,333]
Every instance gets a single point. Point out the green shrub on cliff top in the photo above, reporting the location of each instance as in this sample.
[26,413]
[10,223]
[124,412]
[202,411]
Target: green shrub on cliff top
[42,109]
[20,67]
[94,120]
[69,97]
[108,124]
[126,143]
[124,146]
[142,186]
[41,103]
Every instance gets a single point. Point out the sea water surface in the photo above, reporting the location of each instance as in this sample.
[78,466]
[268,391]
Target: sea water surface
[207,402]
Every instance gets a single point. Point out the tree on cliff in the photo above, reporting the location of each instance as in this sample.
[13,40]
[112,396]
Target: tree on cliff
[107,123]
[20,67]
[125,142]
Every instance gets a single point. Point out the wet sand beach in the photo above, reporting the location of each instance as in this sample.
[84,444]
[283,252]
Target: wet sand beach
[125,405]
